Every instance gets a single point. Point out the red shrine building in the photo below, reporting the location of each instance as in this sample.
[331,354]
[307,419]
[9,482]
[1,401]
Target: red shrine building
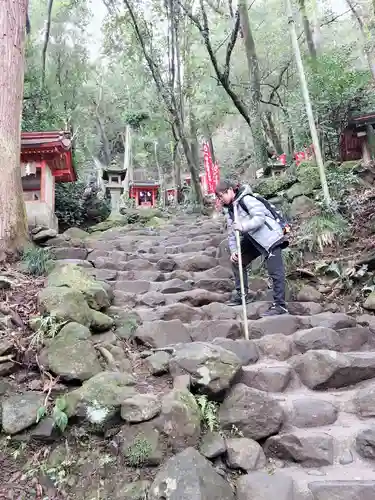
[144,193]
[46,158]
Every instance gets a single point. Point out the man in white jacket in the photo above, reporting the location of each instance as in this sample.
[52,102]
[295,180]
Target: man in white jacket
[261,234]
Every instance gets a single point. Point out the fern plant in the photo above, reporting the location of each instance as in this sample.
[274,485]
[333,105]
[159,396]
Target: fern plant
[36,261]
[208,411]
[323,230]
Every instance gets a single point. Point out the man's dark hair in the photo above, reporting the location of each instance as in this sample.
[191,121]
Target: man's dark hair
[224,185]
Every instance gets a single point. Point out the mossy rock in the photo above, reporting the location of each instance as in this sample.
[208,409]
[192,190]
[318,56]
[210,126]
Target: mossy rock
[349,166]
[71,354]
[100,398]
[75,233]
[65,304]
[298,189]
[155,222]
[272,186]
[101,322]
[307,173]
[75,277]
[136,490]
[126,327]
[111,222]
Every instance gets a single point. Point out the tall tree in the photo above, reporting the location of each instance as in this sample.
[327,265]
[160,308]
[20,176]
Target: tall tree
[259,143]
[307,30]
[367,45]
[165,88]
[13,224]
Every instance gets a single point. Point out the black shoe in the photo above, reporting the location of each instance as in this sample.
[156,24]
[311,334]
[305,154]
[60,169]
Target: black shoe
[275,310]
[236,299]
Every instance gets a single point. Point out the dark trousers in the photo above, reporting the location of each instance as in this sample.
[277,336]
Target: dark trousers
[275,268]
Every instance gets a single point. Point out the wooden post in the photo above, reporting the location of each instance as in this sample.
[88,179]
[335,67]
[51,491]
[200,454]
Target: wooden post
[306,98]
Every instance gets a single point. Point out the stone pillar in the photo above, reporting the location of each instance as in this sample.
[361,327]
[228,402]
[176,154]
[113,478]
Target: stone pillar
[115,201]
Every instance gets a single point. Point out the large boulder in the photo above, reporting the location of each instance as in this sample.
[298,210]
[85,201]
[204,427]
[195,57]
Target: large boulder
[343,490]
[71,354]
[78,279]
[301,206]
[180,419]
[65,304]
[100,398]
[365,443]
[298,189]
[140,408]
[140,445]
[311,449]
[318,337]
[206,331]
[245,350]
[19,411]
[267,377]
[189,476]
[254,413]
[163,333]
[323,369]
[212,369]
[245,454]
[309,412]
[265,486]
[365,401]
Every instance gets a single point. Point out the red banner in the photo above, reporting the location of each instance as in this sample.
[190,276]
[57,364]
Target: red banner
[209,169]
[216,174]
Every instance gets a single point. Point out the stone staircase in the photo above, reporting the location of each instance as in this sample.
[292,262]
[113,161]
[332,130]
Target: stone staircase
[304,386]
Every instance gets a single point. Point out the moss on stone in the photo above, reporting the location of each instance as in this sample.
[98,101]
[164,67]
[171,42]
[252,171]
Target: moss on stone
[77,278]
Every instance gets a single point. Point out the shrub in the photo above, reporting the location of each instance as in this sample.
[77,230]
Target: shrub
[323,230]
[36,261]
[78,204]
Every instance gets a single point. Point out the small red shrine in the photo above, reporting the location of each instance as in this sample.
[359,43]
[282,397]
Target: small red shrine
[355,139]
[46,158]
[145,193]
[187,180]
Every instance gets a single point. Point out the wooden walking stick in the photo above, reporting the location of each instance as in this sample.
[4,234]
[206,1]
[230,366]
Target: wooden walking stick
[240,268]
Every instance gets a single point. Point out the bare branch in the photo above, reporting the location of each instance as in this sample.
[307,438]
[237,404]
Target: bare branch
[46,40]
[231,45]
[221,76]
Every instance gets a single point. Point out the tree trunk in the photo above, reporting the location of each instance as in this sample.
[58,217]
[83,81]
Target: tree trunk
[46,41]
[176,171]
[160,174]
[308,31]
[369,52]
[274,136]
[127,162]
[13,222]
[259,143]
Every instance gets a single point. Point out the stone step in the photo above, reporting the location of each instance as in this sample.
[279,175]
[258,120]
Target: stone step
[337,482]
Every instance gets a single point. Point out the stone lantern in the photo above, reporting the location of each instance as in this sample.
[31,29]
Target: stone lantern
[113,177]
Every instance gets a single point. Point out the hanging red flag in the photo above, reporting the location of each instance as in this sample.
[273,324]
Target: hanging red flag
[208,168]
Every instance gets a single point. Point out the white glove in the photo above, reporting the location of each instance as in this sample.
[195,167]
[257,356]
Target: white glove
[237,226]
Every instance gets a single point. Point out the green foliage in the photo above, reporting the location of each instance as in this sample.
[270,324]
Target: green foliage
[60,418]
[307,172]
[79,205]
[337,88]
[340,181]
[209,412]
[323,230]
[36,261]
[138,452]
[271,186]
[58,414]
[46,327]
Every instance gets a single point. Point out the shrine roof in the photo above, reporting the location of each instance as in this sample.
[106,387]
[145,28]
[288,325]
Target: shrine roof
[55,148]
[361,120]
[145,183]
